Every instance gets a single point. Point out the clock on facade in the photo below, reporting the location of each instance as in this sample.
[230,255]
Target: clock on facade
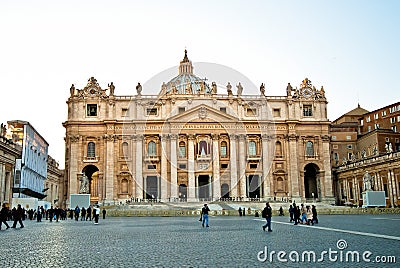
[307,92]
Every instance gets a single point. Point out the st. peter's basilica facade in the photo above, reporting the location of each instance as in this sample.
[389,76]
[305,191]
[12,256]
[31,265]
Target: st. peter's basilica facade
[198,141]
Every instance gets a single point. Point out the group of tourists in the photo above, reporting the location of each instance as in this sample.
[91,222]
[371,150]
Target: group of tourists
[19,214]
[87,214]
[303,214]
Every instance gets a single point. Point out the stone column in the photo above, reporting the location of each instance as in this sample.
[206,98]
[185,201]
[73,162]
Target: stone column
[216,194]
[139,166]
[326,182]
[74,156]
[265,170]
[293,165]
[390,188]
[133,165]
[242,165]
[174,170]
[2,182]
[210,187]
[376,183]
[191,168]
[164,168]
[233,166]
[109,167]
[394,191]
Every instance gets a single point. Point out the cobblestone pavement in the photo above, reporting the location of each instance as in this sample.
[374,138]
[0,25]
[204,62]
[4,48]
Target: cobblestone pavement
[182,242]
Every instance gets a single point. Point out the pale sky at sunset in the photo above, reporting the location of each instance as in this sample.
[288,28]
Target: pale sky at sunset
[349,47]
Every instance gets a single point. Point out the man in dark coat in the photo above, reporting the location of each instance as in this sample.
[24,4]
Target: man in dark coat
[3,216]
[267,214]
[18,217]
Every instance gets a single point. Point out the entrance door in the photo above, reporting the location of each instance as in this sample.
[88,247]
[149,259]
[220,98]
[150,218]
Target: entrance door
[151,187]
[310,182]
[204,187]
[182,191]
[225,190]
[254,186]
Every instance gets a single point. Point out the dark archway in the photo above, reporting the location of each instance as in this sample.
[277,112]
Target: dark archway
[182,191]
[204,187]
[151,187]
[91,172]
[225,190]
[254,186]
[311,181]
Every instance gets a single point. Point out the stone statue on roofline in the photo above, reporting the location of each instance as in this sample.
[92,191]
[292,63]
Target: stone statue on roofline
[139,89]
[262,89]
[239,89]
[229,89]
[214,88]
[112,88]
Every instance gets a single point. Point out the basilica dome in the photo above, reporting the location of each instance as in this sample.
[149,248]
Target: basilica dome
[186,82]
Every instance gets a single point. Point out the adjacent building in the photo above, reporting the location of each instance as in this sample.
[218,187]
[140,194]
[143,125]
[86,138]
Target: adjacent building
[9,152]
[363,141]
[196,140]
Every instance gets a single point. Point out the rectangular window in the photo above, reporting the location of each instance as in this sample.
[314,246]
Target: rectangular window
[182,151]
[151,111]
[181,110]
[91,109]
[182,166]
[349,146]
[333,138]
[368,119]
[151,166]
[383,113]
[398,118]
[348,138]
[362,122]
[335,146]
[223,151]
[376,126]
[223,166]
[124,112]
[253,166]
[394,128]
[251,112]
[369,129]
[277,112]
[307,110]
[376,116]
[222,109]
[393,120]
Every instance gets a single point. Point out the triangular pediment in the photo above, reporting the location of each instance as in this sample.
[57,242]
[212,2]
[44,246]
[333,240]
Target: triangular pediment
[203,113]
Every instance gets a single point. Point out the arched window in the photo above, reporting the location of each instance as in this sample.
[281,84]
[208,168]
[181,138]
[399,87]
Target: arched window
[91,149]
[278,148]
[151,148]
[125,151]
[203,148]
[182,149]
[252,148]
[124,186]
[224,149]
[309,148]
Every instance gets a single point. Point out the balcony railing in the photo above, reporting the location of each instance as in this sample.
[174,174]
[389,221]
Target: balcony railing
[203,157]
[256,157]
[91,159]
[152,158]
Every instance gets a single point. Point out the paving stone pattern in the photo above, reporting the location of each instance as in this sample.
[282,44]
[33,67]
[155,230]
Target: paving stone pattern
[182,242]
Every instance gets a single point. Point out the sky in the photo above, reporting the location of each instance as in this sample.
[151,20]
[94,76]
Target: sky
[351,48]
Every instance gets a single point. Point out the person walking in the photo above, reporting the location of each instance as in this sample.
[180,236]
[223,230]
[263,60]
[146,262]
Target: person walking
[291,213]
[267,214]
[314,214]
[240,211]
[104,213]
[96,214]
[89,213]
[204,214]
[51,213]
[3,216]
[77,211]
[18,214]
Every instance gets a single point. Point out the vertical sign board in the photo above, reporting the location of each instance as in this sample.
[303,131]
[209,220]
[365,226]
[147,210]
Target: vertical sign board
[34,160]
